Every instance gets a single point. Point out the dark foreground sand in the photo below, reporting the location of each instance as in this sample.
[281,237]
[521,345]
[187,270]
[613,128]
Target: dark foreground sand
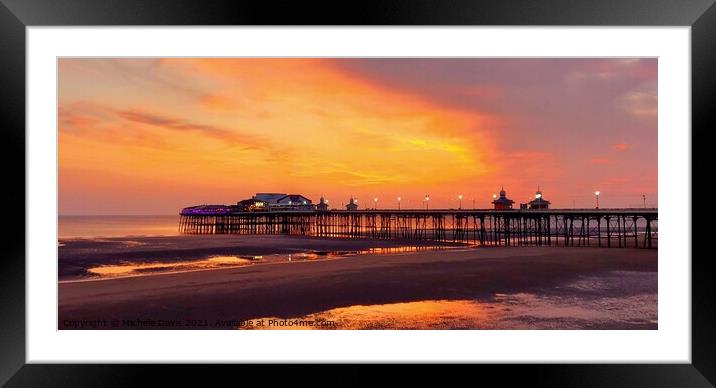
[620,283]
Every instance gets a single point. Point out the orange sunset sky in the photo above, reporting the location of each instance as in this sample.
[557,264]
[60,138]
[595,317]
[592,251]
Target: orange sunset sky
[150,136]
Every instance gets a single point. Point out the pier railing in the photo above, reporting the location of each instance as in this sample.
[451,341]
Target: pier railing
[554,227]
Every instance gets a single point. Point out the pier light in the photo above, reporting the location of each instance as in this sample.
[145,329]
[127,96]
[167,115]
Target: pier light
[427,200]
[539,195]
[460,198]
[494,195]
[596,194]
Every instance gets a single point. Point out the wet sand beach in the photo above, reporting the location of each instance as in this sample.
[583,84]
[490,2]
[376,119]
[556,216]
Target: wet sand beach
[77,256]
[464,288]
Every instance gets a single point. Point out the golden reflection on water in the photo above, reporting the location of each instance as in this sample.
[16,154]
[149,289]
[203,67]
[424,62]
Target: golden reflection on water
[134,269]
[412,248]
[422,315]
[503,312]
[127,269]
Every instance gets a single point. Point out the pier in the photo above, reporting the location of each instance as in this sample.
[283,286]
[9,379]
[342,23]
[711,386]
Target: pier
[612,228]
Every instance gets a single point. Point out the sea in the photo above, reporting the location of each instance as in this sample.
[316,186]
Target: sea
[117,226]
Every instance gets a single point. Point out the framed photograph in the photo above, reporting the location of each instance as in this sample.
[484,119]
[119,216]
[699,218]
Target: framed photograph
[406,183]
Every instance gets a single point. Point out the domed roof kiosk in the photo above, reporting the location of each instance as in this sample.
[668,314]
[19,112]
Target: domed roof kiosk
[503,202]
[539,202]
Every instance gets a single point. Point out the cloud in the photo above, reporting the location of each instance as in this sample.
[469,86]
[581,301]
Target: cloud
[589,76]
[171,123]
[641,103]
[176,124]
[109,125]
[622,146]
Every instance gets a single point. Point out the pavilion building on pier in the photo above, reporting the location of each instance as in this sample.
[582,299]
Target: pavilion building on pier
[352,204]
[539,202]
[502,202]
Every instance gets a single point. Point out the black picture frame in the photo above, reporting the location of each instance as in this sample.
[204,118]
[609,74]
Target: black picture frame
[16,15]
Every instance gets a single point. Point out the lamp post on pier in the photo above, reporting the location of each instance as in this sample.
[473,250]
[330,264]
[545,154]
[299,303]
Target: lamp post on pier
[398,203]
[460,198]
[596,194]
[427,202]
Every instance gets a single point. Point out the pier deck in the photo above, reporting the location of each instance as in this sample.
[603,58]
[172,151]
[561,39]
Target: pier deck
[554,227]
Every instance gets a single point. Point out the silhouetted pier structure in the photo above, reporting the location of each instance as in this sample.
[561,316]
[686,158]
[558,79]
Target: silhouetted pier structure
[555,227]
